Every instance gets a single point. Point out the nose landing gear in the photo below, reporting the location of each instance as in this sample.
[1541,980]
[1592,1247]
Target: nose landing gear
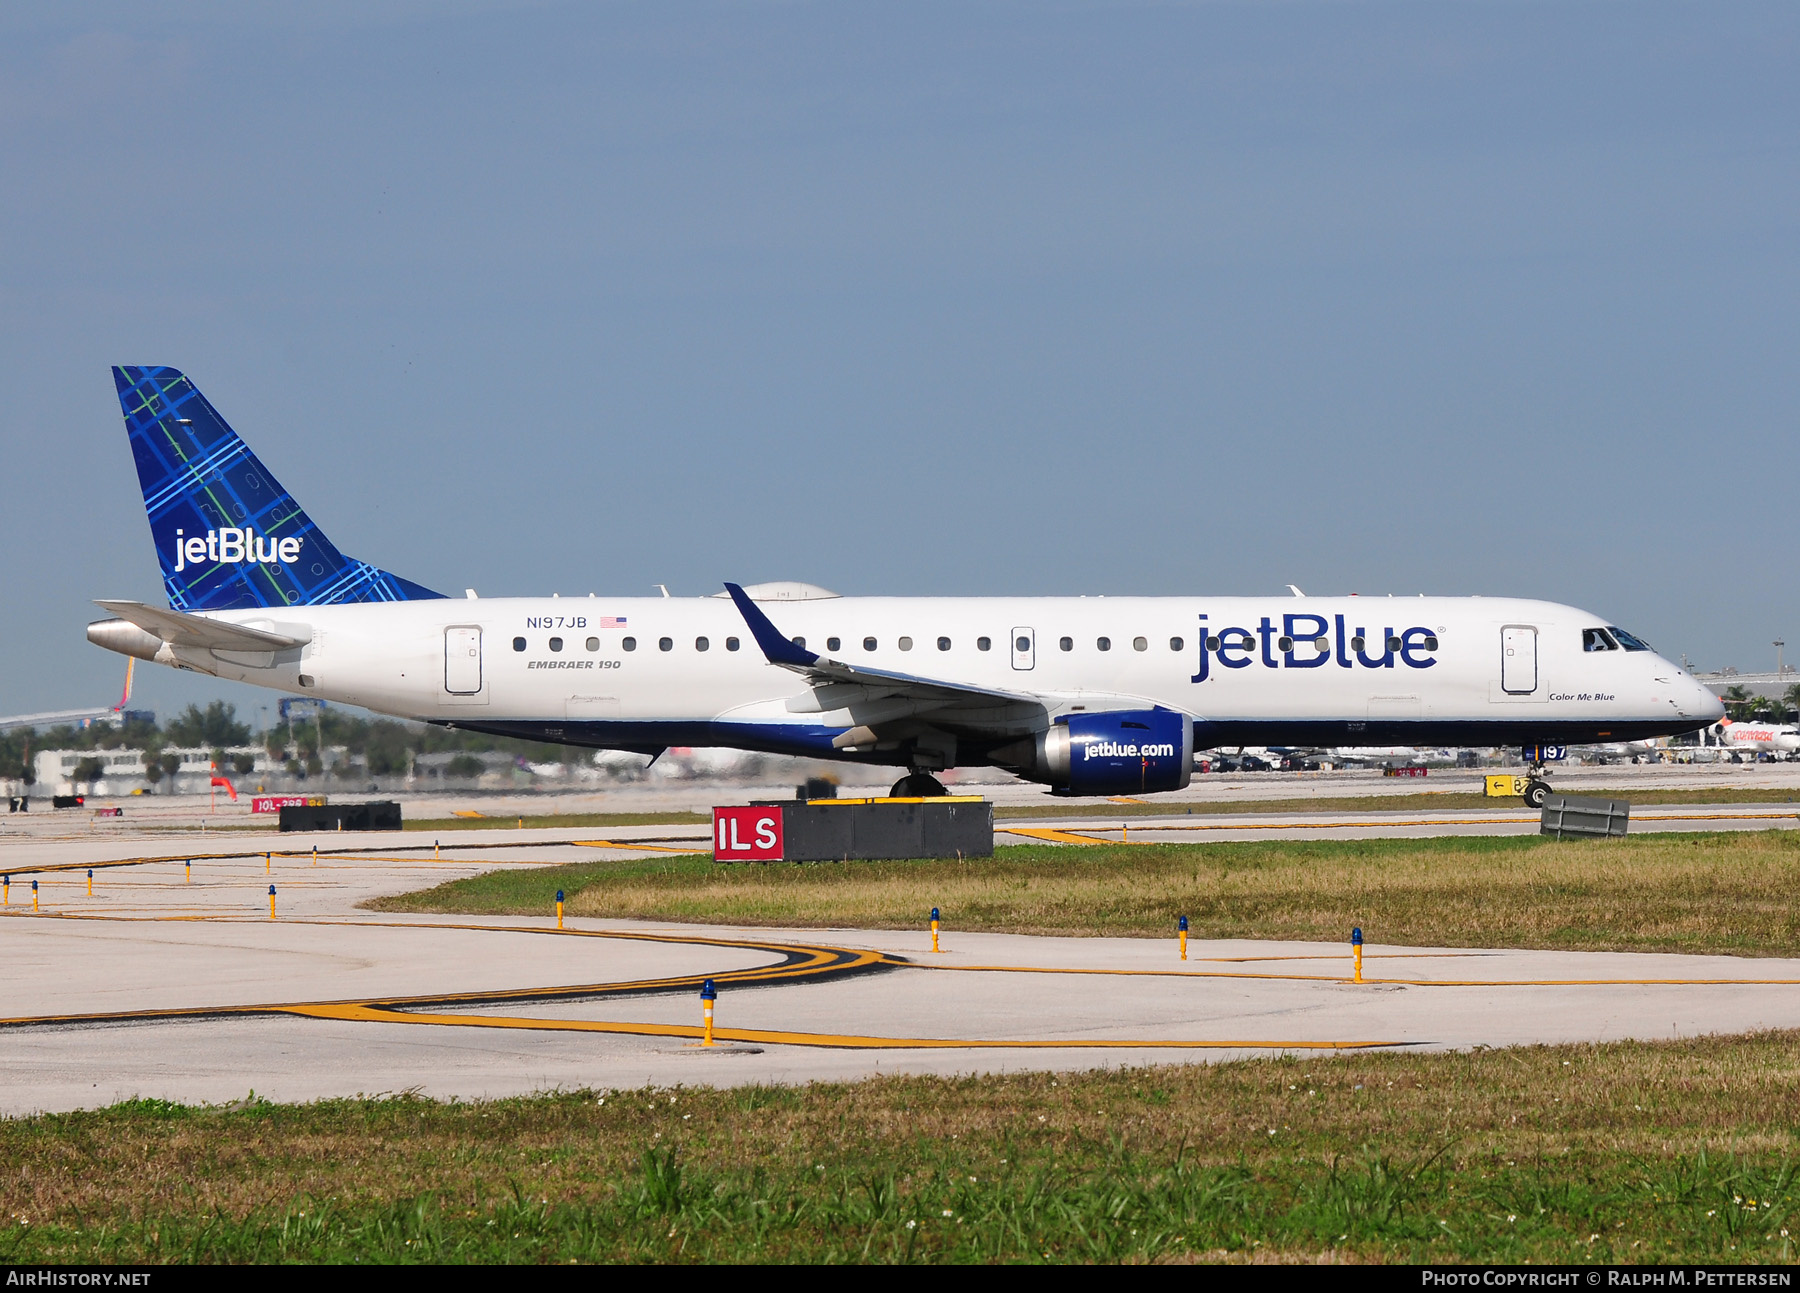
[917,785]
[1537,790]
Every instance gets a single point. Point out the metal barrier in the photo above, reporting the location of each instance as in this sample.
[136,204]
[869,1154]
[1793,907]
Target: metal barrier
[827,830]
[379,815]
[1572,815]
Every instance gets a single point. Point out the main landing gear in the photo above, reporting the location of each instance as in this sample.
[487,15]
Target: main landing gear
[917,785]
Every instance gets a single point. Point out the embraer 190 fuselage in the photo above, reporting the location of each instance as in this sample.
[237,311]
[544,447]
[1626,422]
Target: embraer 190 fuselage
[1091,695]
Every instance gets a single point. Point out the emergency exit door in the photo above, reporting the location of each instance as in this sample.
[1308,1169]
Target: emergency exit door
[1518,659]
[462,660]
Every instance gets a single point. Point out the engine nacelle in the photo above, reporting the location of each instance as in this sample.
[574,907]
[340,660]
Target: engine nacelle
[1120,752]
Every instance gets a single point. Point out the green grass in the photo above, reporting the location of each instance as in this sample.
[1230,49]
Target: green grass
[1660,1152]
[1728,892]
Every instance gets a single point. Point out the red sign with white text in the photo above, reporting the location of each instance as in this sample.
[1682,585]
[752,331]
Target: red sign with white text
[746,834]
[275,803]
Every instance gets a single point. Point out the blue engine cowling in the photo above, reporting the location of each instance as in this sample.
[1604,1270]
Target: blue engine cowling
[1118,752]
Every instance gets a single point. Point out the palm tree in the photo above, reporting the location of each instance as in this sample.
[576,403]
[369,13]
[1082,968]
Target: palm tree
[1739,704]
[1791,697]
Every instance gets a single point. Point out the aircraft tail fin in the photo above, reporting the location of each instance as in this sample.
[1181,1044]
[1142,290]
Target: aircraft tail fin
[228,536]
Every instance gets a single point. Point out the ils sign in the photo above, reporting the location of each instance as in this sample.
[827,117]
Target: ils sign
[746,834]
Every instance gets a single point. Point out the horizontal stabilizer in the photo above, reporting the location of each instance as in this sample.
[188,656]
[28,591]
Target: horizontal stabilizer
[181,629]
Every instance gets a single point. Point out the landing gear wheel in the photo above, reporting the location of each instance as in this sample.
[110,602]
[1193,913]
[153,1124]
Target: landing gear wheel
[917,785]
[1536,792]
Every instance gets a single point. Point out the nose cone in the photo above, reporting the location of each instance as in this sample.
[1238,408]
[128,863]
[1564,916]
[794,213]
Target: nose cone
[1706,704]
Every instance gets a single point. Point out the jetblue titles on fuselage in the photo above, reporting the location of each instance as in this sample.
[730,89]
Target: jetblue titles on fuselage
[1307,641]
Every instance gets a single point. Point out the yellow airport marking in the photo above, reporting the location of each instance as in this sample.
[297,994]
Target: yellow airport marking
[1068,835]
[327,858]
[1341,978]
[1051,835]
[624,844]
[1125,799]
[1713,817]
[883,799]
[841,1041]
[466,812]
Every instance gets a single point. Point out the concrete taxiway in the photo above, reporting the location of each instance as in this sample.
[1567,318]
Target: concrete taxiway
[172,980]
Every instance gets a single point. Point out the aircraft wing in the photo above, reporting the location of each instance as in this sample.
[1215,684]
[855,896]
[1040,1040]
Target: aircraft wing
[837,685]
[181,629]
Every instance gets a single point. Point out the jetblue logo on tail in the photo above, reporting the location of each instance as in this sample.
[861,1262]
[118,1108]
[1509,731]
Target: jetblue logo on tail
[232,546]
[228,536]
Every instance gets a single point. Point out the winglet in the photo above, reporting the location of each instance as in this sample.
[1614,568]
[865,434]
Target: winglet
[775,648]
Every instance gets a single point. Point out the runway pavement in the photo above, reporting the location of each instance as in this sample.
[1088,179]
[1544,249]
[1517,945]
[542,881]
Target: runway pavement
[172,980]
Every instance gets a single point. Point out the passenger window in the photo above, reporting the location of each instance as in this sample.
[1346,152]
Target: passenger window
[834,644]
[943,644]
[1358,642]
[1630,641]
[1066,644]
[1596,640]
[701,644]
[905,644]
[1175,644]
[731,644]
[629,644]
[665,644]
[1431,642]
[868,644]
[593,644]
[1103,644]
[518,644]
[1284,643]
[984,644]
[556,644]
[1140,644]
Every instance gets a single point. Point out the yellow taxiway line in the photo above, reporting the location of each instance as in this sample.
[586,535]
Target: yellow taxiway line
[1089,834]
[842,1041]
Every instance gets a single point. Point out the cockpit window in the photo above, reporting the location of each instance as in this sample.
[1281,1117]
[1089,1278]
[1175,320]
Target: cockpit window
[1597,640]
[1629,642]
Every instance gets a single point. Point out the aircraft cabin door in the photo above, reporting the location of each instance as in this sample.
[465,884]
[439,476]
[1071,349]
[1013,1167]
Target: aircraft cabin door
[1024,648]
[462,659]
[1518,659]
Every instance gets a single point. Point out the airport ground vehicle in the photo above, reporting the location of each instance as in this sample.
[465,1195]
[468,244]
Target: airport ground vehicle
[1088,695]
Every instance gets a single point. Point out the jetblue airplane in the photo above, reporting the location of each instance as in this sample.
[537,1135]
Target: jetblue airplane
[1088,695]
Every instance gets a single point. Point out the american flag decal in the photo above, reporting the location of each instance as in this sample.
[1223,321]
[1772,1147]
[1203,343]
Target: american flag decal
[612,621]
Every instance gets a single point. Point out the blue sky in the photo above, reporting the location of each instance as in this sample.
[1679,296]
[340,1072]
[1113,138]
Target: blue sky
[965,299]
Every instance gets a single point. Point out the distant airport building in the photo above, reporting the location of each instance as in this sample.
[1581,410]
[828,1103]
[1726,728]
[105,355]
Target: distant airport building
[122,772]
[1773,685]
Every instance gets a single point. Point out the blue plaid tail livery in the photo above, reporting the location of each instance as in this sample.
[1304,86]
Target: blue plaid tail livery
[228,536]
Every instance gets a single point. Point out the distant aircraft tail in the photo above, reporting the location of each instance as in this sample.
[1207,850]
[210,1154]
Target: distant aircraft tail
[228,536]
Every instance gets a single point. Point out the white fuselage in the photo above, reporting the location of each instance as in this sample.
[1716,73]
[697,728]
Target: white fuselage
[640,673]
